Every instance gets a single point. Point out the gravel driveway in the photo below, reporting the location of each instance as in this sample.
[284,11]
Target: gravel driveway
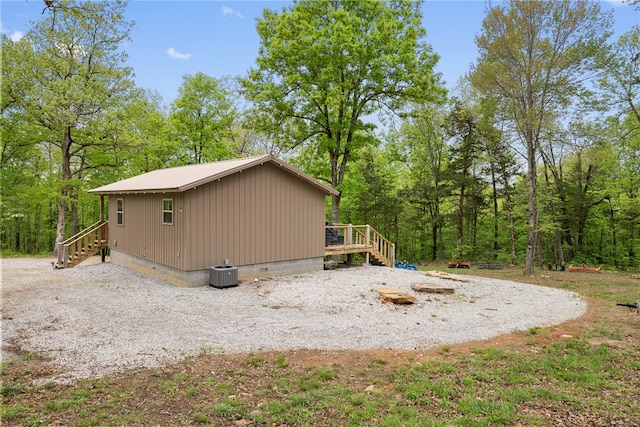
[98,319]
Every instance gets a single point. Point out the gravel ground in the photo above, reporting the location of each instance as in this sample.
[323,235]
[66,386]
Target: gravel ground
[100,319]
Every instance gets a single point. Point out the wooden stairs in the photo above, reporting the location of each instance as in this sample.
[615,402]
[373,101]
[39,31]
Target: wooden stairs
[83,245]
[362,239]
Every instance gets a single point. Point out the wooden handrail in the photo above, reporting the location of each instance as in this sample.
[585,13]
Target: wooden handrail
[365,237]
[83,232]
[84,244]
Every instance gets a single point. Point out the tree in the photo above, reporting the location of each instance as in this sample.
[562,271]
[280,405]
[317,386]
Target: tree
[68,73]
[374,201]
[325,66]
[533,56]
[501,169]
[619,82]
[203,117]
[620,77]
[423,150]
[461,124]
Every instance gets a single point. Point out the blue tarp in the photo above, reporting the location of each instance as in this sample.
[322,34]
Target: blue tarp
[405,265]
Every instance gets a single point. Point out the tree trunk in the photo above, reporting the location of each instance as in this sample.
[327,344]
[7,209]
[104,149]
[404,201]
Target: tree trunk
[512,235]
[37,228]
[540,262]
[75,222]
[460,224]
[557,232]
[338,168]
[632,243]
[495,213]
[614,235]
[532,206]
[512,223]
[64,189]
[335,208]
[434,241]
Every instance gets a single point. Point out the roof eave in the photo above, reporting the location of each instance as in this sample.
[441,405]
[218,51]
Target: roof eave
[328,190]
[219,176]
[147,191]
[192,185]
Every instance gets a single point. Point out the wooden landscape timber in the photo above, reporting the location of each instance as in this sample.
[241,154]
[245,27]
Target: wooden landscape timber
[585,268]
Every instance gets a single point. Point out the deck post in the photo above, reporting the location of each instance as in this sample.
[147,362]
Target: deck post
[102,207]
[65,255]
[60,253]
[367,241]
[393,255]
[367,235]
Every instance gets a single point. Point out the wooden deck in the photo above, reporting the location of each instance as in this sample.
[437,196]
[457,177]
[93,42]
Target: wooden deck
[359,239]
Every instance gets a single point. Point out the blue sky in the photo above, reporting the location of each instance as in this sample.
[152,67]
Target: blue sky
[218,37]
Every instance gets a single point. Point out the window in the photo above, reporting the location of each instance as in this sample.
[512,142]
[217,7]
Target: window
[167,211]
[120,211]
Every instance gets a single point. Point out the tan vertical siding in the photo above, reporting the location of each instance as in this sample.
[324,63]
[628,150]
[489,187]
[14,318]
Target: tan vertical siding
[143,233]
[260,215]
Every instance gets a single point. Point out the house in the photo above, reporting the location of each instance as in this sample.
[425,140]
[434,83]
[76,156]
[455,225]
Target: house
[257,214]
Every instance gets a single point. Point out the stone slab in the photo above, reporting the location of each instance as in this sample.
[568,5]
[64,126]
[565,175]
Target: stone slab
[396,296]
[443,275]
[431,288]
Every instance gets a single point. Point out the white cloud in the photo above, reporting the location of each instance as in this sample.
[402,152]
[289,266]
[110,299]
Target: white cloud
[13,35]
[16,36]
[177,55]
[229,11]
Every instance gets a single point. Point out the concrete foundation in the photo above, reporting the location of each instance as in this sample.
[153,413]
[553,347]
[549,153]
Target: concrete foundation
[201,277]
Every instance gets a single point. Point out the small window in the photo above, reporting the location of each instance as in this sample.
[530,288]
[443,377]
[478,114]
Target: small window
[120,211]
[167,211]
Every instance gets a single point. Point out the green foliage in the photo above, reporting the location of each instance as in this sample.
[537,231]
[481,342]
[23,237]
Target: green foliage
[533,60]
[324,66]
[203,120]
[323,70]
[369,192]
[66,74]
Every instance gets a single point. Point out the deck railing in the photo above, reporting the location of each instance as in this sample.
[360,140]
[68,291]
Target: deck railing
[81,246]
[349,238]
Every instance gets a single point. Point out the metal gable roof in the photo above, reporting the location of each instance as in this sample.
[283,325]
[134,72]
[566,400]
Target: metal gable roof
[182,178]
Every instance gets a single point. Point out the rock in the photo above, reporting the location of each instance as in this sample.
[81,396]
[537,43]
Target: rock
[431,288]
[396,296]
[443,275]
